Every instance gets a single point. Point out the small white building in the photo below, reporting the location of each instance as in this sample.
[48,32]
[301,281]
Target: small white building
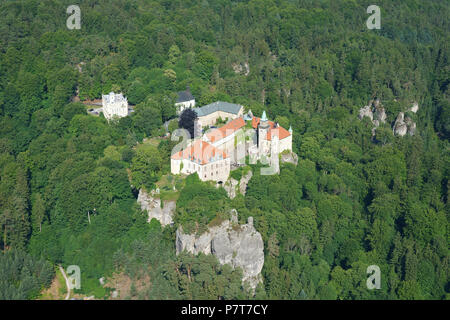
[185,100]
[114,105]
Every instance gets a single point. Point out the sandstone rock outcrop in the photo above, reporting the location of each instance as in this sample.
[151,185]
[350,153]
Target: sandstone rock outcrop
[374,111]
[366,111]
[152,204]
[404,125]
[244,182]
[237,245]
[231,185]
[400,127]
[241,68]
[414,108]
[377,115]
[380,114]
[289,157]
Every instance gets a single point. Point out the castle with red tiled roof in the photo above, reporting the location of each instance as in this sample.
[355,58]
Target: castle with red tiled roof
[212,154]
[209,162]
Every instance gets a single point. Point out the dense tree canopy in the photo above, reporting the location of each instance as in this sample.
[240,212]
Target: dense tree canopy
[69,180]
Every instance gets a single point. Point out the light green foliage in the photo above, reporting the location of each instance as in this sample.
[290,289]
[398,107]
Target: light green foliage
[199,203]
[146,166]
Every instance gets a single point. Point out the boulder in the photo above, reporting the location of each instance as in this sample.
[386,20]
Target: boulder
[400,127]
[289,157]
[414,108]
[374,111]
[240,68]
[366,112]
[379,114]
[403,125]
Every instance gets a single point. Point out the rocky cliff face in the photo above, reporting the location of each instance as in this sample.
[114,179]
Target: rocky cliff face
[366,111]
[244,182]
[377,115]
[152,204]
[289,157]
[404,125]
[415,107]
[400,127]
[375,112]
[237,245]
[231,185]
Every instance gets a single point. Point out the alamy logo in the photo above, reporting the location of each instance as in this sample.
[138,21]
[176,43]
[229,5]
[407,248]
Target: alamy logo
[74,276]
[374,21]
[374,280]
[74,21]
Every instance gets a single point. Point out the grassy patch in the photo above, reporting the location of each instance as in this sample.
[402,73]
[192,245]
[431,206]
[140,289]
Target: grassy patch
[218,219]
[239,172]
[57,290]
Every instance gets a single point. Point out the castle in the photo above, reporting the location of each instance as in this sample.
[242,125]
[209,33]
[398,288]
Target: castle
[115,105]
[213,153]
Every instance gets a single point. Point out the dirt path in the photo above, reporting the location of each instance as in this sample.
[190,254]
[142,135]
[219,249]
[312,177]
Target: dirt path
[67,282]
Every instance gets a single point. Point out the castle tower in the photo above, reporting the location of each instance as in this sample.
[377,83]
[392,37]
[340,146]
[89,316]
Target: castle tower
[263,129]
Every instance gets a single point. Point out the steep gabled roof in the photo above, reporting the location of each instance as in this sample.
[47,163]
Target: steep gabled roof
[184,96]
[218,106]
[225,130]
[200,152]
[279,130]
[114,97]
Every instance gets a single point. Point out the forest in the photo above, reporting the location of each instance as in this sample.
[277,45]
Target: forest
[69,180]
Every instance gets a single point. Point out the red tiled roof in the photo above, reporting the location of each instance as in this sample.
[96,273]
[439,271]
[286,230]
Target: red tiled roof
[255,122]
[199,151]
[225,130]
[278,131]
